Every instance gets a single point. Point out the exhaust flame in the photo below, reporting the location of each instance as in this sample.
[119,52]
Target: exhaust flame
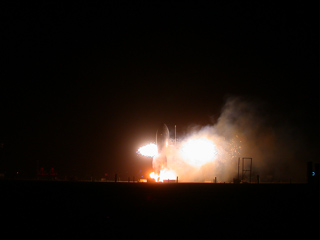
[165,174]
[148,150]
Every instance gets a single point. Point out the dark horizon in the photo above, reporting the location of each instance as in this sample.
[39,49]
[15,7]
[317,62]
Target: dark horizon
[85,84]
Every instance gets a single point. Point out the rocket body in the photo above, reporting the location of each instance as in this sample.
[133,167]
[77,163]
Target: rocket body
[162,137]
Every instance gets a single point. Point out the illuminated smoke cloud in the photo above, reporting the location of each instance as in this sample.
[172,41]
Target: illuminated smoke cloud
[198,151]
[203,155]
[244,129]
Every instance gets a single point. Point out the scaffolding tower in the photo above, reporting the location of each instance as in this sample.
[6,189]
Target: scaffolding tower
[245,169]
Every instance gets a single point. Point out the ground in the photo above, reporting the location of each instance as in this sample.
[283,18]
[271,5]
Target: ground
[147,210]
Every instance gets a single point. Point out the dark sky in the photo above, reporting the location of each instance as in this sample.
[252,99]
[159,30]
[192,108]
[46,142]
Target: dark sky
[84,84]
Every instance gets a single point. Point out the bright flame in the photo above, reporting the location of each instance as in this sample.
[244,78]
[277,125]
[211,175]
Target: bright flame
[165,174]
[148,150]
[198,151]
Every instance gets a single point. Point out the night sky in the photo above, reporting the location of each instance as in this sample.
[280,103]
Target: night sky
[84,84]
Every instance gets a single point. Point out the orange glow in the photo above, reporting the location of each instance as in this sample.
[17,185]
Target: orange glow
[165,174]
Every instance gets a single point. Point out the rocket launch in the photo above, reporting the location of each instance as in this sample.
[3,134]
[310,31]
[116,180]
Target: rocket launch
[159,152]
[188,155]
[160,160]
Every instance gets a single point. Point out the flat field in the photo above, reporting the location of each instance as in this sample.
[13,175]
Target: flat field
[162,210]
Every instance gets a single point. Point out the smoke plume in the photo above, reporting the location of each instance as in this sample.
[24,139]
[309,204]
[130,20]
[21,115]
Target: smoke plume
[245,129]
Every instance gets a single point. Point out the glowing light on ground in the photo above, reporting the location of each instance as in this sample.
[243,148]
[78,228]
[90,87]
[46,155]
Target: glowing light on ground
[148,150]
[198,151]
[165,174]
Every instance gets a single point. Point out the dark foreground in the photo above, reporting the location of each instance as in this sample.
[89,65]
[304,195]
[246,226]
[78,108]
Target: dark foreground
[142,210]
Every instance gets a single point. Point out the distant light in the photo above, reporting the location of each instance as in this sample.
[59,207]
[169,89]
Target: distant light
[313,174]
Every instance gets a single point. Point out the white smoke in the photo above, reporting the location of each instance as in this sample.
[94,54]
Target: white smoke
[244,129]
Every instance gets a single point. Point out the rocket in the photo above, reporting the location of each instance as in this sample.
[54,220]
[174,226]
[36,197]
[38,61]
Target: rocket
[162,137]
